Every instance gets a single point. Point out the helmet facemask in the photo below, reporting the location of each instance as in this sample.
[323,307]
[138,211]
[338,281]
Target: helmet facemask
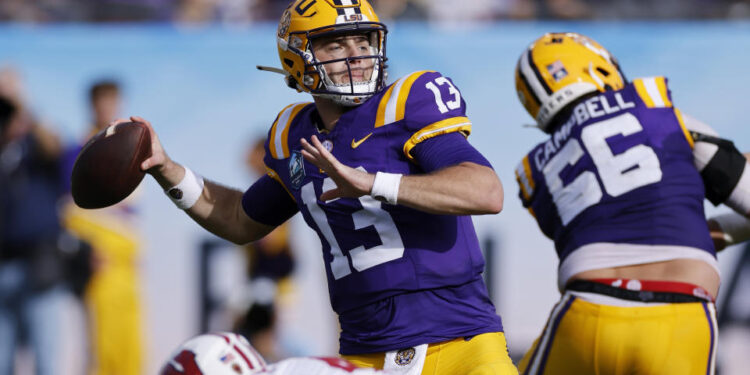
[346,80]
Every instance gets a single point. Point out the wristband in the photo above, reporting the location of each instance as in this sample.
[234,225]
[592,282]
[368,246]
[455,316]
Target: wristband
[385,187]
[736,227]
[188,191]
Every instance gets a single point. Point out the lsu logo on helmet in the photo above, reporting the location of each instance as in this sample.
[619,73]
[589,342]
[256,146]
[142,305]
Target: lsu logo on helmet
[306,20]
[558,68]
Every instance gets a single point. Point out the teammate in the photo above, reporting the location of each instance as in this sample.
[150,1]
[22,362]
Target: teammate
[386,177]
[225,353]
[619,187]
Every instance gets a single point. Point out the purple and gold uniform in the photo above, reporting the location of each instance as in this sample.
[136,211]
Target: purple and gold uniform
[617,148]
[397,277]
[615,185]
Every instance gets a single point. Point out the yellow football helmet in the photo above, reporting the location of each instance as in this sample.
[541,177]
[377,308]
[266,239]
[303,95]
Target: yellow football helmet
[305,20]
[558,68]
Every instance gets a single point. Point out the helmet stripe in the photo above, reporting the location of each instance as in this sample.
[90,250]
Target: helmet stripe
[532,80]
[529,90]
[538,74]
[247,361]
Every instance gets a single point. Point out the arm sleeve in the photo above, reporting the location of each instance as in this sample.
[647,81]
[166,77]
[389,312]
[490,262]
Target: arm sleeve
[446,150]
[267,202]
[722,167]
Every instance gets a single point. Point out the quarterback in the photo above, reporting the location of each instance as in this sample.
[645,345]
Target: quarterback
[386,178]
[619,186]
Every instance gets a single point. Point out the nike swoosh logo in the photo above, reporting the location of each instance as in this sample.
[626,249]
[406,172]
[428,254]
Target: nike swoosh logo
[356,144]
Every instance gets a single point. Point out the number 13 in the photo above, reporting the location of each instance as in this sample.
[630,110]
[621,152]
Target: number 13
[449,105]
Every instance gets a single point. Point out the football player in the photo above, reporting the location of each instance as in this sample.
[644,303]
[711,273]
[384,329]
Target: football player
[385,176]
[226,353]
[619,186]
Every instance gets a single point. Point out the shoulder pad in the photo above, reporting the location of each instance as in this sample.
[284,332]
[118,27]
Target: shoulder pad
[277,143]
[525,179]
[392,106]
[653,91]
[432,106]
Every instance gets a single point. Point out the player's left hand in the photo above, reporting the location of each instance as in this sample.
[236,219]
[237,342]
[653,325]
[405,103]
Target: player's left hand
[350,182]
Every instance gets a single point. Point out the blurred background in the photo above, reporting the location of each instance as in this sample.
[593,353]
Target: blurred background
[123,286]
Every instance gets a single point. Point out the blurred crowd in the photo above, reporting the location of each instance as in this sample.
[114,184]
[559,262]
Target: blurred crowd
[251,11]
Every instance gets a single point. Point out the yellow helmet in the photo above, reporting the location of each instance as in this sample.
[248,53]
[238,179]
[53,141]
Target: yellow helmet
[559,68]
[305,20]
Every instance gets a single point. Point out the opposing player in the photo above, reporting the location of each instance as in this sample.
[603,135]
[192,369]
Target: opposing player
[226,353]
[386,177]
[619,187]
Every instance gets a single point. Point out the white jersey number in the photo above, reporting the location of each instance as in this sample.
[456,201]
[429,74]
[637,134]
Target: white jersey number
[637,166]
[371,214]
[449,105]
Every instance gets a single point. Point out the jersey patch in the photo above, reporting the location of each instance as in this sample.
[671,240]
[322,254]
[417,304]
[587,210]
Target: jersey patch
[296,169]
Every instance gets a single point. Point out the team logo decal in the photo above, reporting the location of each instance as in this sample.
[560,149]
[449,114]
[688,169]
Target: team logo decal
[557,70]
[328,145]
[286,20]
[296,169]
[227,358]
[303,7]
[404,356]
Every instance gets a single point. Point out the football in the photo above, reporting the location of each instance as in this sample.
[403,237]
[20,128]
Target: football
[108,169]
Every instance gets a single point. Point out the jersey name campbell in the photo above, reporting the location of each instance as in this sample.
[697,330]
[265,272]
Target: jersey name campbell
[374,250]
[619,170]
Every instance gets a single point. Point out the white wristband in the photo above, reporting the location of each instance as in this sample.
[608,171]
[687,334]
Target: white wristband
[385,187]
[736,227]
[188,191]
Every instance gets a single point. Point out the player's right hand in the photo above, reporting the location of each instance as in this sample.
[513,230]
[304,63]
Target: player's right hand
[159,161]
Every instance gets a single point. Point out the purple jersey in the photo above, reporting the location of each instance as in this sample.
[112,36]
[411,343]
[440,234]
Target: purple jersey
[618,170]
[397,276]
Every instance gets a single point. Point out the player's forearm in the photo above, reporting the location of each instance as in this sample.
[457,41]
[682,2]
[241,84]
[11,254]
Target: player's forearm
[218,209]
[464,189]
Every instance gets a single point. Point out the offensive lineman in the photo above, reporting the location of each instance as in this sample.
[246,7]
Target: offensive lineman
[386,178]
[619,187]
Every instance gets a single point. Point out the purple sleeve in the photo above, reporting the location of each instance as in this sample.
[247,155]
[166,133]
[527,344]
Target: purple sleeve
[267,202]
[446,150]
